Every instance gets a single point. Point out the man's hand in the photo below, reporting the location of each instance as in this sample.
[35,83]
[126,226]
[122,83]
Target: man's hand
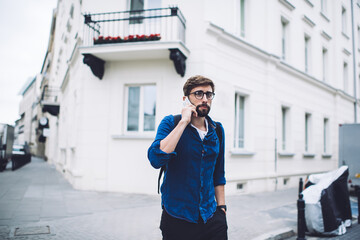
[187,112]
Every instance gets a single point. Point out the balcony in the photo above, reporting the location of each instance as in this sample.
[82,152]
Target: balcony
[49,100]
[133,35]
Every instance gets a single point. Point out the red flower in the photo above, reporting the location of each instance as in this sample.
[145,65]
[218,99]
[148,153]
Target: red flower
[101,38]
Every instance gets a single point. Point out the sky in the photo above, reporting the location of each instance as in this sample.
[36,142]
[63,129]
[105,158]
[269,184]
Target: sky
[24,34]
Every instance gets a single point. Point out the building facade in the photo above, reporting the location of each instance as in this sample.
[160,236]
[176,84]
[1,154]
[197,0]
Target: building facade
[27,126]
[283,71]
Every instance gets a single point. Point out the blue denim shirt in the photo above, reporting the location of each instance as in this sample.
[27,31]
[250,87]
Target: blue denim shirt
[192,171]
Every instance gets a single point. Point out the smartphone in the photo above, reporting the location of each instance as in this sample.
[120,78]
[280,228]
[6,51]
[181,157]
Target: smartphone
[186,102]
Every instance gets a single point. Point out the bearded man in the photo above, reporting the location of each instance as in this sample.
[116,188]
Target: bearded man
[192,192]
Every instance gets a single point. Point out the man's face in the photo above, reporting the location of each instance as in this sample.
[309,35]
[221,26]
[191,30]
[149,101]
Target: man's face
[202,105]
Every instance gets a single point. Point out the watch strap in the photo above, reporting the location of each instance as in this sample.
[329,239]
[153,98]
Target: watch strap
[223,207]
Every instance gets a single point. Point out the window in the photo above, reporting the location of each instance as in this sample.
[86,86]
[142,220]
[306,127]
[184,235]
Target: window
[239,138]
[141,108]
[326,135]
[138,5]
[358,87]
[307,131]
[307,53]
[345,77]
[358,37]
[344,20]
[135,6]
[72,11]
[324,6]
[325,64]
[242,18]
[284,36]
[284,128]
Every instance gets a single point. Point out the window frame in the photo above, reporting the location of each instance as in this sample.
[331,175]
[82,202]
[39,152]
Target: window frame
[344,23]
[238,97]
[240,17]
[141,109]
[326,136]
[325,62]
[345,77]
[324,7]
[285,129]
[284,38]
[307,53]
[308,132]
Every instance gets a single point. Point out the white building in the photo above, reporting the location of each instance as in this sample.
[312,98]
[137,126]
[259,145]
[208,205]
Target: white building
[26,126]
[283,71]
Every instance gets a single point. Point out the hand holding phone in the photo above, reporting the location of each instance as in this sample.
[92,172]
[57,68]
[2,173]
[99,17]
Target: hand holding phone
[189,110]
[186,102]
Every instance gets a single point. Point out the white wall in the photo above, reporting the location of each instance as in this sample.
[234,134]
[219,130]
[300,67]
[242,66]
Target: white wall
[91,145]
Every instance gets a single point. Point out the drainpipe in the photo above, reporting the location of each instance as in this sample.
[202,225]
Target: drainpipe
[354,61]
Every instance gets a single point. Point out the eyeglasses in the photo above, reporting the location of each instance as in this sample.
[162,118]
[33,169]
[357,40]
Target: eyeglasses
[200,94]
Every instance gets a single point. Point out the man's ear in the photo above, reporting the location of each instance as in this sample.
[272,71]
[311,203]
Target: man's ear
[184,98]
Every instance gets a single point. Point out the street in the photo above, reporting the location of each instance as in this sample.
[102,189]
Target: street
[36,202]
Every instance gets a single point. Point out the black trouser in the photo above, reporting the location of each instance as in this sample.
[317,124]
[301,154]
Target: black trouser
[177,229]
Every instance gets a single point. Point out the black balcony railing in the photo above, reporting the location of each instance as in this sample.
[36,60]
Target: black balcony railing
[161,24]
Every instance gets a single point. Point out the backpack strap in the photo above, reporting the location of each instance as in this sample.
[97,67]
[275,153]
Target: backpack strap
[177,119]
[219,132]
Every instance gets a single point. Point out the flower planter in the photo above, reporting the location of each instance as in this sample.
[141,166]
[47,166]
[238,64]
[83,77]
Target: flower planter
[130,38]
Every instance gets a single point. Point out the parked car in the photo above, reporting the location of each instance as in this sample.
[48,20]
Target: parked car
[18,150]
[20,156]
[6,143]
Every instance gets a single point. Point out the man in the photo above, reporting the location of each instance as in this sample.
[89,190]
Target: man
[193,197]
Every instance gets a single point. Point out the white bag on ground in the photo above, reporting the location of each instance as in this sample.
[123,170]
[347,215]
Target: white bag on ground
[327,203]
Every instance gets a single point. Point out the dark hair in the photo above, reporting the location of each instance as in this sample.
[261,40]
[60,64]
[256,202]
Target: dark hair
[197,81]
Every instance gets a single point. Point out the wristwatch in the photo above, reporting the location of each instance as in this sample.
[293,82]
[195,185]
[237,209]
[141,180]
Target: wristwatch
[222,207]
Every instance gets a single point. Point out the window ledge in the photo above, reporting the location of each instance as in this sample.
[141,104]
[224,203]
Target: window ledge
[286,154]
[309,155]
[325,35]
[347,52]
[287,4]
[310,3]
[345,35]
[241,152]
[324,16]
[136,137]
[307,20]
[326,155]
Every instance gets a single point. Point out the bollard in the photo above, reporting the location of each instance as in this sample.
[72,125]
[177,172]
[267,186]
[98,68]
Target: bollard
[301,214]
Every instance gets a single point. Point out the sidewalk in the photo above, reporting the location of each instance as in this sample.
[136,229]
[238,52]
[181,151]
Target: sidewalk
[36,202]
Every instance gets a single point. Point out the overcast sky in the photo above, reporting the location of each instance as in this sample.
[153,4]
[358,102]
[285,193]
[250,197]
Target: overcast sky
[24,35]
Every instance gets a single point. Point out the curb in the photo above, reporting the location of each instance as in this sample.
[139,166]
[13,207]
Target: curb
[279,234]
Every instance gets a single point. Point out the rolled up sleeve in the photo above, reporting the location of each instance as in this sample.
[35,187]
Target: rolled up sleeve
[219,172]
[156,156]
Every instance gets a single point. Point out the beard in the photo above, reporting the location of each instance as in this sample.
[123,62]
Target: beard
[203,112]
